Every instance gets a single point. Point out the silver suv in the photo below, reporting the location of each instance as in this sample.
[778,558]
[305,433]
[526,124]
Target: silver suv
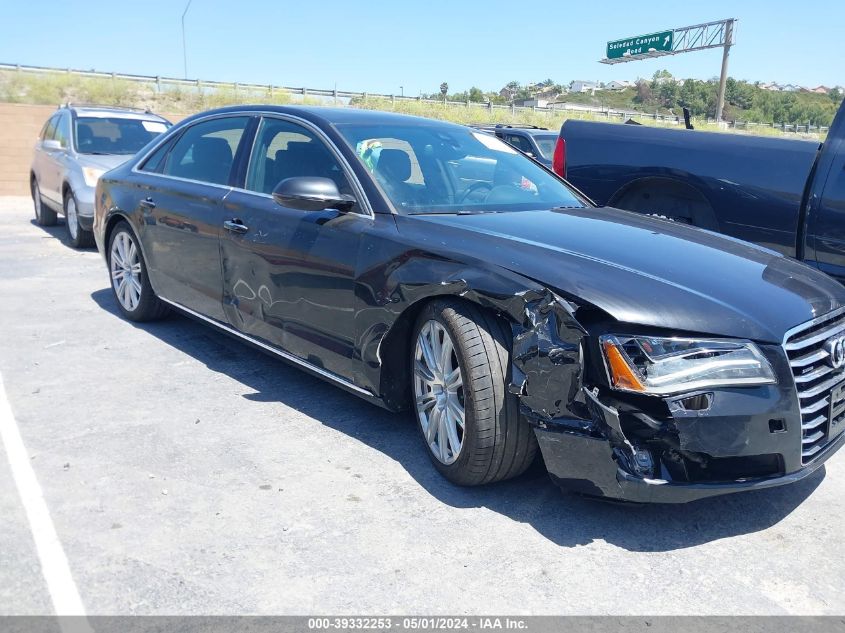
[76,146]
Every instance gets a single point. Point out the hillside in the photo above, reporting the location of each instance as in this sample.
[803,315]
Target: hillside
[743,101]
[663,95]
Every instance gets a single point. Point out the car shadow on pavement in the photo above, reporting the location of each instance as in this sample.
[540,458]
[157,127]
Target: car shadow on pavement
[565,519]
[59,232]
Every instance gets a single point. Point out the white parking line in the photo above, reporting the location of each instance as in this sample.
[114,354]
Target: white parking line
[54,565]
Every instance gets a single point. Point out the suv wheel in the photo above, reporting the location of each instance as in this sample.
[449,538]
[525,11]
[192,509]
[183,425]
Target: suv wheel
[44,216]
[79,237]
[460,369]
[129,280]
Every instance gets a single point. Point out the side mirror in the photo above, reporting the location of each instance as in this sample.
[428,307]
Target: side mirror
[51,145]
[308,193]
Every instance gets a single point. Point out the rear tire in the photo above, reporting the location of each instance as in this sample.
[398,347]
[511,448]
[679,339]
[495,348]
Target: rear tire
[78,237]
[44,215]
[495,443]
[129,280]
[669,200]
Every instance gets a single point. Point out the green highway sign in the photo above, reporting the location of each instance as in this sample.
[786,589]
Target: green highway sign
[641,45]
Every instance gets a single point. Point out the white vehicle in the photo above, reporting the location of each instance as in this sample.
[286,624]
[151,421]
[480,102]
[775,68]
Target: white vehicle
[76,146]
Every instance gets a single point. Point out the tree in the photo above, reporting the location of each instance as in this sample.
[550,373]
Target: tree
[739,93]
[524,93]
[694,96]
[644,93]
[475,95]
[494,97]
[668,93]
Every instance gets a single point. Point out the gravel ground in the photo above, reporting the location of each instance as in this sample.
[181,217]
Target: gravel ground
[186,473]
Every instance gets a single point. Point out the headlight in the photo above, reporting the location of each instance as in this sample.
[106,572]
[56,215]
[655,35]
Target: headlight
[91,174]
[663,366]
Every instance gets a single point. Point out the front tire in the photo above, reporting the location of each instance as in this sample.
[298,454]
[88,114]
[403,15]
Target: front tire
[129,280]
[460,369]
[44,215]
[78,237]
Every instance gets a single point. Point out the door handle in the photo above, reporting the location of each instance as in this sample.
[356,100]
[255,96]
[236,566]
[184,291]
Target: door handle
[235,226]
[148,202]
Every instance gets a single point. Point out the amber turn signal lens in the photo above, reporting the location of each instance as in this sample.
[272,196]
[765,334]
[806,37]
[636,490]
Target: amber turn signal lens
[621,374]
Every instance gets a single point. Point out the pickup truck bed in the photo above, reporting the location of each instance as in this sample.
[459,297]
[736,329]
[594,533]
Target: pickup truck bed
[749,187]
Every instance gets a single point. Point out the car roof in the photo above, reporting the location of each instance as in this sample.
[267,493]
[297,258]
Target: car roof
[513,129]
[113,112]
[333,116]
[533,132]
[526,130]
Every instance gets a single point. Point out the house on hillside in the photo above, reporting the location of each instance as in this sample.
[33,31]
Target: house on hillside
[579,85]
[820,90]
[619,85]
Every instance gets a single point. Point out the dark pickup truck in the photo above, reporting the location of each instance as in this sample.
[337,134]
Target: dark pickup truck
[788,195]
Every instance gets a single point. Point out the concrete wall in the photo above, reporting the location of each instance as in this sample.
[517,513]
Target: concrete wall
[19,128]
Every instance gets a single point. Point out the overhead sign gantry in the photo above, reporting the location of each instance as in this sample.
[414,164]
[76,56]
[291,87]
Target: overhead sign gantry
[674,41]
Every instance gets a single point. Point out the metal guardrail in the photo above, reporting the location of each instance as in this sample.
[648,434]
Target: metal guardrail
[162,82]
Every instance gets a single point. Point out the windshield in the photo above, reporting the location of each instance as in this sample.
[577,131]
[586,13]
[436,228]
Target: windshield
[114,135]
[431,168]
[546,144]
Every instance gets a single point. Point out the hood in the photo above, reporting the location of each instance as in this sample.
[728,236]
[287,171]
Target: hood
[646,271]
[103,161]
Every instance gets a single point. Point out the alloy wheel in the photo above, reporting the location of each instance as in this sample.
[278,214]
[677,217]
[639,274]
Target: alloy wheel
[125,265]
[36,200]
[72,218]
[439,392]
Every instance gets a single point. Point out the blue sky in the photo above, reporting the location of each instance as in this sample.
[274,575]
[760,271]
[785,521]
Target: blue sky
[380,45]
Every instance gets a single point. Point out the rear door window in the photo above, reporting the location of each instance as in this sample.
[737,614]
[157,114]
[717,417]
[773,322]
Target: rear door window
[155,162]
[520,142]
[206,151]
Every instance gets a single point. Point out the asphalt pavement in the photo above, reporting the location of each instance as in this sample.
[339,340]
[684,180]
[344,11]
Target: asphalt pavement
[186,473]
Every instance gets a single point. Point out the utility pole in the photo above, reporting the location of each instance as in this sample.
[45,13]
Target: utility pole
[184,47]
[723,79]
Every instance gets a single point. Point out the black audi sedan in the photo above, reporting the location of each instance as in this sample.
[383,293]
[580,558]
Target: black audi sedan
[430,267]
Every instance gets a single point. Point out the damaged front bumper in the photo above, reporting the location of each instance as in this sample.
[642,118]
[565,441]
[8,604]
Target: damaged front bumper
[589,466]
[683,448]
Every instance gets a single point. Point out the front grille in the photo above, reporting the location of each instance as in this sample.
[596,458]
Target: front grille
[816,381]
